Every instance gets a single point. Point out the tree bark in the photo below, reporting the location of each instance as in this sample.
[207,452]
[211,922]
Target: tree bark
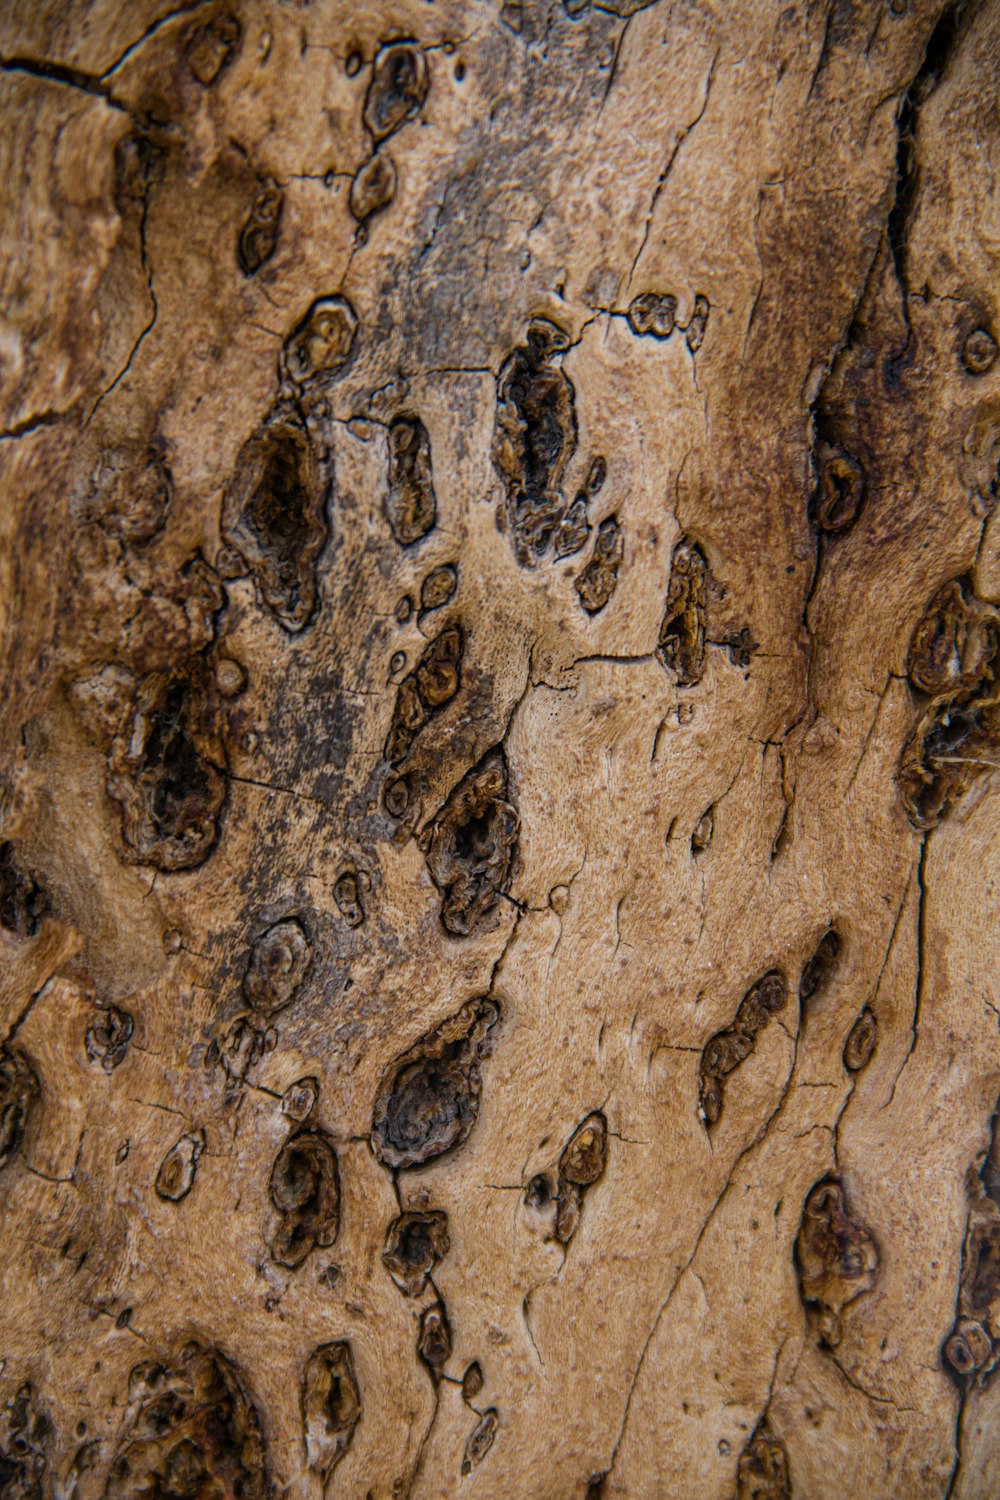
[501,645]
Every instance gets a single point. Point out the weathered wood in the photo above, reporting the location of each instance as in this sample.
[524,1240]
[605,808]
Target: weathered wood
[500,644]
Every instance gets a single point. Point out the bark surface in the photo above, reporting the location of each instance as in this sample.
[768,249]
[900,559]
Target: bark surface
[500,659]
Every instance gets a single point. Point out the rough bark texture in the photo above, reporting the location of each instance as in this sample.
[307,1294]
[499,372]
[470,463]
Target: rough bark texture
[501,678]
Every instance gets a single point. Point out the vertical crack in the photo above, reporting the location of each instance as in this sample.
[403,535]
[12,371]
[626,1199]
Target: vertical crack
[154,306]
[150,31]
[751,1145]
[938,52]
[668,164]
[919,981]
[935,62]
[956,1467]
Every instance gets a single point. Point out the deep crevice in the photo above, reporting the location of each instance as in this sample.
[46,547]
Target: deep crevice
[936,58]
[53,72]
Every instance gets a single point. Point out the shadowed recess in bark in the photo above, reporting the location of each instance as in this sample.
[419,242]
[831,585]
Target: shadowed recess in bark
[836,1257]
[19,1091]
[423,692]
[274,516]
[727,1049]
[23,902]
[305,1191]
[190,1428]
[762,1472]
[470,846]
[414,1244]
[24,1428]
[410,503]
[167,769]
[953,662]
[331,1405]
[534,438]
[428,1102]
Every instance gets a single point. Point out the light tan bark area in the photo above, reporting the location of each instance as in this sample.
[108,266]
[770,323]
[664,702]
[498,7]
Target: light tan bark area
[501,677]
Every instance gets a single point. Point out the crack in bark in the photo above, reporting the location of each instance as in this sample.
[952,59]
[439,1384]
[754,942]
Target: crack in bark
[47,418]
[624,661]
[824,53]
[836,1124]
[148,272]
[956,1468]
[863,1391]
[272,786]
[820,550]
[937,54]
[526,1309]
[48,71]
[661,180]
[664,1306]
[150,31]
[760,266]
[613,70]
[46,1177]
[25,1012]
[892,936]
[501,960]
[781,837]
[569,883]
[166,1108]
[871,730]
[771,1383]
[919,984]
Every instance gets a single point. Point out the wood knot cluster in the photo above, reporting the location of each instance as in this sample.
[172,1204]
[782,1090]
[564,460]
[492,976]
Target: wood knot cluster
[191,1429]
[470,845]
[953,669]
[727,1049]
[836,1257]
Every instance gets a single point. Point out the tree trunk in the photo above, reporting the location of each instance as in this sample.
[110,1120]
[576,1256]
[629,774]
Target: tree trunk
[501,665]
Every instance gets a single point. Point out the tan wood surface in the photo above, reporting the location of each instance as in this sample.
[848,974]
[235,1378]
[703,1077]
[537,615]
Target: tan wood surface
[500,651]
